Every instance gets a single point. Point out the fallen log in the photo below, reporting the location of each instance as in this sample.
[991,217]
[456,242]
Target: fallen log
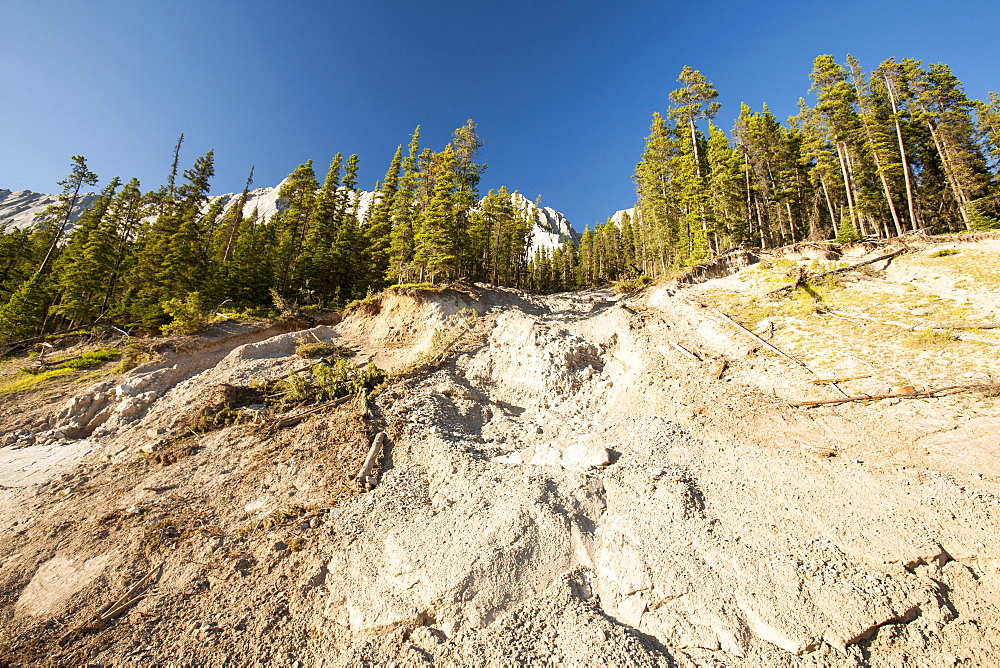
[769,346]
[805,279]
[867,397]
[363,476]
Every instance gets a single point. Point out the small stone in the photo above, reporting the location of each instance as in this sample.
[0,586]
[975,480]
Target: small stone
[904,389]
[279,546]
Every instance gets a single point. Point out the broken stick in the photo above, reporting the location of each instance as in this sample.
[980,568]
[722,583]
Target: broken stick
[684,351]
[373,451]
[823,381]
[867,397]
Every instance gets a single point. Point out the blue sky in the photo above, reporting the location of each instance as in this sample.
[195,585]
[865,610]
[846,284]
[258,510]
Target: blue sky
[562,92]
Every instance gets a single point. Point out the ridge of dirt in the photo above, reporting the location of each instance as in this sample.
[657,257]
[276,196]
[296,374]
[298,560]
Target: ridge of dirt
[582,478]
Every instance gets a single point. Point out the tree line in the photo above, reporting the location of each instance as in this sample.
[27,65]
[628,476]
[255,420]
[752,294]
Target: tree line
[143,258]
[878,154]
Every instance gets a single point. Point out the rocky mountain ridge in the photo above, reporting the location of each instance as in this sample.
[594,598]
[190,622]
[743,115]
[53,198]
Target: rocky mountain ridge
[18,208]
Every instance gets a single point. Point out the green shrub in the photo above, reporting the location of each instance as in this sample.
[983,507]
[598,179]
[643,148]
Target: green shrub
[848,234]
[187,316]
[945,252]
[626,285]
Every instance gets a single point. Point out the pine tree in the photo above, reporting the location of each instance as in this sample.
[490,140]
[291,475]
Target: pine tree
[80,271]
[378,231]
[298,195]
[434,252]
[404,214]
[63,211]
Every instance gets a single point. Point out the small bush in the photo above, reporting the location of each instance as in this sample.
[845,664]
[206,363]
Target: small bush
[626,285]
[134,354]
[188,316]
[848,234]
[945,252]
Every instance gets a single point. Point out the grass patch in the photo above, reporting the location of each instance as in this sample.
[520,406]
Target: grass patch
[973,264]
[24,381]
[93,358]
[320,349]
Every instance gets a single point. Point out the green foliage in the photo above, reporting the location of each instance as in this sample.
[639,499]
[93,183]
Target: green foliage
[945,252]
[324,381]
[979,221]
[92,358]
[187,316]
[627,285]
[848,234]
[23,313]
[320,349]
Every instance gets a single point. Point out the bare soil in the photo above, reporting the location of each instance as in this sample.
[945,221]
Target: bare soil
[574,479]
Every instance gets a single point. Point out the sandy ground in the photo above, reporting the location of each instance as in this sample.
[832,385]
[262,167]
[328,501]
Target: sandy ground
[575,479]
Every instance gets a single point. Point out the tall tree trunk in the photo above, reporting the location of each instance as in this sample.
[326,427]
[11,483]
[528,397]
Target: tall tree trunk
[829,206]
[902,154]
[848,188]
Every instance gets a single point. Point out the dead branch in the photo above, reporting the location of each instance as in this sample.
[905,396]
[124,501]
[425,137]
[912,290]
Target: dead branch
[805,279]
[114,609]
[292,420]
[959,325]
[757,338]
[911,328]
[823,381]
[867,397]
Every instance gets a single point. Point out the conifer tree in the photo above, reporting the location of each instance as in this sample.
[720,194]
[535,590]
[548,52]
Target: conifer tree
[434,252]
[378,230]
[80,271]
[404,213]
[298,195]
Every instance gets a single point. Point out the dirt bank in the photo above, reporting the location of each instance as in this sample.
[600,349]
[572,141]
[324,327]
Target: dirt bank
[576,479]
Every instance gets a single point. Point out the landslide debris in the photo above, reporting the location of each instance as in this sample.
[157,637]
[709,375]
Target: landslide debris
[582,479]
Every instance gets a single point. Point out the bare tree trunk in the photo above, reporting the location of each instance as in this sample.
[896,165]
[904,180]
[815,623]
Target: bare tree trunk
[847,187]
[829,205]
[902,155]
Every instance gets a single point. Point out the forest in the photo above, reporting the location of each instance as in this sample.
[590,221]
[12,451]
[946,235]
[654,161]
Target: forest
[879,154]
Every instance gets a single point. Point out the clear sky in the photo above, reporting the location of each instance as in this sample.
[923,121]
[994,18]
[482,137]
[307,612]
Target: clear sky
[562,92]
